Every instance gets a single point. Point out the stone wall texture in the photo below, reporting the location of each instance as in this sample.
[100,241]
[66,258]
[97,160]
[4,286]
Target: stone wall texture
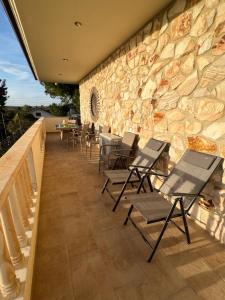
[168,82]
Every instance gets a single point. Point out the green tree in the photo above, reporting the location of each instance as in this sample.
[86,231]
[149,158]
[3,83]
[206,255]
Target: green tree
[67,93]
[14,124]
[3,99]
[59,109]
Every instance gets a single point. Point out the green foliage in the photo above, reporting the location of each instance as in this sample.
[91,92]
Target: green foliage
[22,119]
[67,93]
[14,124]
[59,109]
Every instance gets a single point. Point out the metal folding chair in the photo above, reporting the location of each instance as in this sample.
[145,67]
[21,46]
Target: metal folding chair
[119,154]
[183,186]
[137,172]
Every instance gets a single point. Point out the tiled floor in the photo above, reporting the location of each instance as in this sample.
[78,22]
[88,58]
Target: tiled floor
[84,251]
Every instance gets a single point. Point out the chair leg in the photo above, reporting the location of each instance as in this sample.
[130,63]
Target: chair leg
[120,196]
[162,231]
[105,185]
[141,186]
[128,215]
[185,222]
[150,183]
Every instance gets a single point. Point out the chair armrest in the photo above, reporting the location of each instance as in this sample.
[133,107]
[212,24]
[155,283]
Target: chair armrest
[157,174]
[139,166]
[184,194]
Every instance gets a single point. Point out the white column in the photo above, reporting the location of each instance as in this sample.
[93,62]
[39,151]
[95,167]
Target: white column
[12,243]
[9,284]
[17,217]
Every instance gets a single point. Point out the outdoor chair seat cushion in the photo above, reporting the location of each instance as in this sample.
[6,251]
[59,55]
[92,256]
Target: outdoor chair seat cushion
[119,176]
[152,206]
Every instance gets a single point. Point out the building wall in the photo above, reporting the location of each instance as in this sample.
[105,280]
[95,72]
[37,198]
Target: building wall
[168,82]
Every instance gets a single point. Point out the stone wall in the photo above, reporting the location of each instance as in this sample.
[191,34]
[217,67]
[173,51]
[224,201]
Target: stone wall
[168,82]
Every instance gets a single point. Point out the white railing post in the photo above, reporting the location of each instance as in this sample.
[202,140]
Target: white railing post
[21,201]
[17,217]
[12,243]
[9,284]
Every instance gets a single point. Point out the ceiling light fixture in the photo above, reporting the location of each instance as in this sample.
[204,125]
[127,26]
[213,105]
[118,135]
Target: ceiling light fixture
[65,59]
[78,24]
[59,74]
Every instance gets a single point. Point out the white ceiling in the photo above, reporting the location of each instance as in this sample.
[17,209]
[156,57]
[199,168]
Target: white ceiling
[49,33]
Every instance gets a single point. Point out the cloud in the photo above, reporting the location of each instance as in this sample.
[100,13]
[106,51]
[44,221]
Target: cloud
[14,69]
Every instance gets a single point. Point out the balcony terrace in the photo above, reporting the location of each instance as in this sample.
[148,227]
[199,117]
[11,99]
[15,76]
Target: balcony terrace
[84,252]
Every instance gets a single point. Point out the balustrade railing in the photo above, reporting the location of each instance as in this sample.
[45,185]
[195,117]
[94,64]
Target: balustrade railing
[20,185]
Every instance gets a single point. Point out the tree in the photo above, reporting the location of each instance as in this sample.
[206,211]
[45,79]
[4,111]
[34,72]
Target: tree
[67,93]
[59,109]
[3,99]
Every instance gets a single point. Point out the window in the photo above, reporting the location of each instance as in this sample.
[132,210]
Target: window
[94,104]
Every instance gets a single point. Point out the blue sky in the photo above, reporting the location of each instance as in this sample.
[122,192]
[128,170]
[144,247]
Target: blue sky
[22,87]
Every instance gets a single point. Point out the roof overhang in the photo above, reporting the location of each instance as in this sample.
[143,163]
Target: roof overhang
[59,51]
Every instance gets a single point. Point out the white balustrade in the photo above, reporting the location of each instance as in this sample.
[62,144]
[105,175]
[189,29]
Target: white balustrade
[20,185]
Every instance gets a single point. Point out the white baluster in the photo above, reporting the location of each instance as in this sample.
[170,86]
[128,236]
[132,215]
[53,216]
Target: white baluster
[12,243]
[32,172]
[17,217]
[21,201]
[9,284]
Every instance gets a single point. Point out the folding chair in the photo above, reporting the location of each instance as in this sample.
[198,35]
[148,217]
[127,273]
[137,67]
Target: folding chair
[184,185]
[116,155]
[145,161]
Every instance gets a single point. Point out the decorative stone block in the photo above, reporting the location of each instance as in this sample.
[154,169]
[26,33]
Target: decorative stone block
[207,109]
[192,126]
[172,68]
[203,23]
[176,81]
[175,115]
[168,51]
[205,42]
[219,90]
[188,65]
[219,46]
[181,25]
[189,84]
[149,89]
[168,101]
[198,143]
[216,130]
[214,73]
[185,46]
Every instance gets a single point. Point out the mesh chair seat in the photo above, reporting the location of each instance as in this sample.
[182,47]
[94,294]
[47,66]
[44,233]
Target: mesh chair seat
[120,176]
[153,207]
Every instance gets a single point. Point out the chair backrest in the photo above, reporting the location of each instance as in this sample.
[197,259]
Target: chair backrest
[105,129]
[149,155]
[128,141]
[191,173]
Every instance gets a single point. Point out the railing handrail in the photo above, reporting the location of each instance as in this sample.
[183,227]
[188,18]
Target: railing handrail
[12,160]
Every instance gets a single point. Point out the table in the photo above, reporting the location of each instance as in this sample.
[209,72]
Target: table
[66,127]
[109,139]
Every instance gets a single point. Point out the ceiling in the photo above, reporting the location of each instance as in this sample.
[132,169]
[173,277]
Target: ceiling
[48,35]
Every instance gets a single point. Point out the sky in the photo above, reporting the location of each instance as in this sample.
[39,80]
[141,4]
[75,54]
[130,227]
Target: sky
[22,87]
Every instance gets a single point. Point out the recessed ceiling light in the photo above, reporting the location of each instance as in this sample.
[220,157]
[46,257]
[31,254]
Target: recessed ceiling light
[65,59]
[78,24]
[59,74]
